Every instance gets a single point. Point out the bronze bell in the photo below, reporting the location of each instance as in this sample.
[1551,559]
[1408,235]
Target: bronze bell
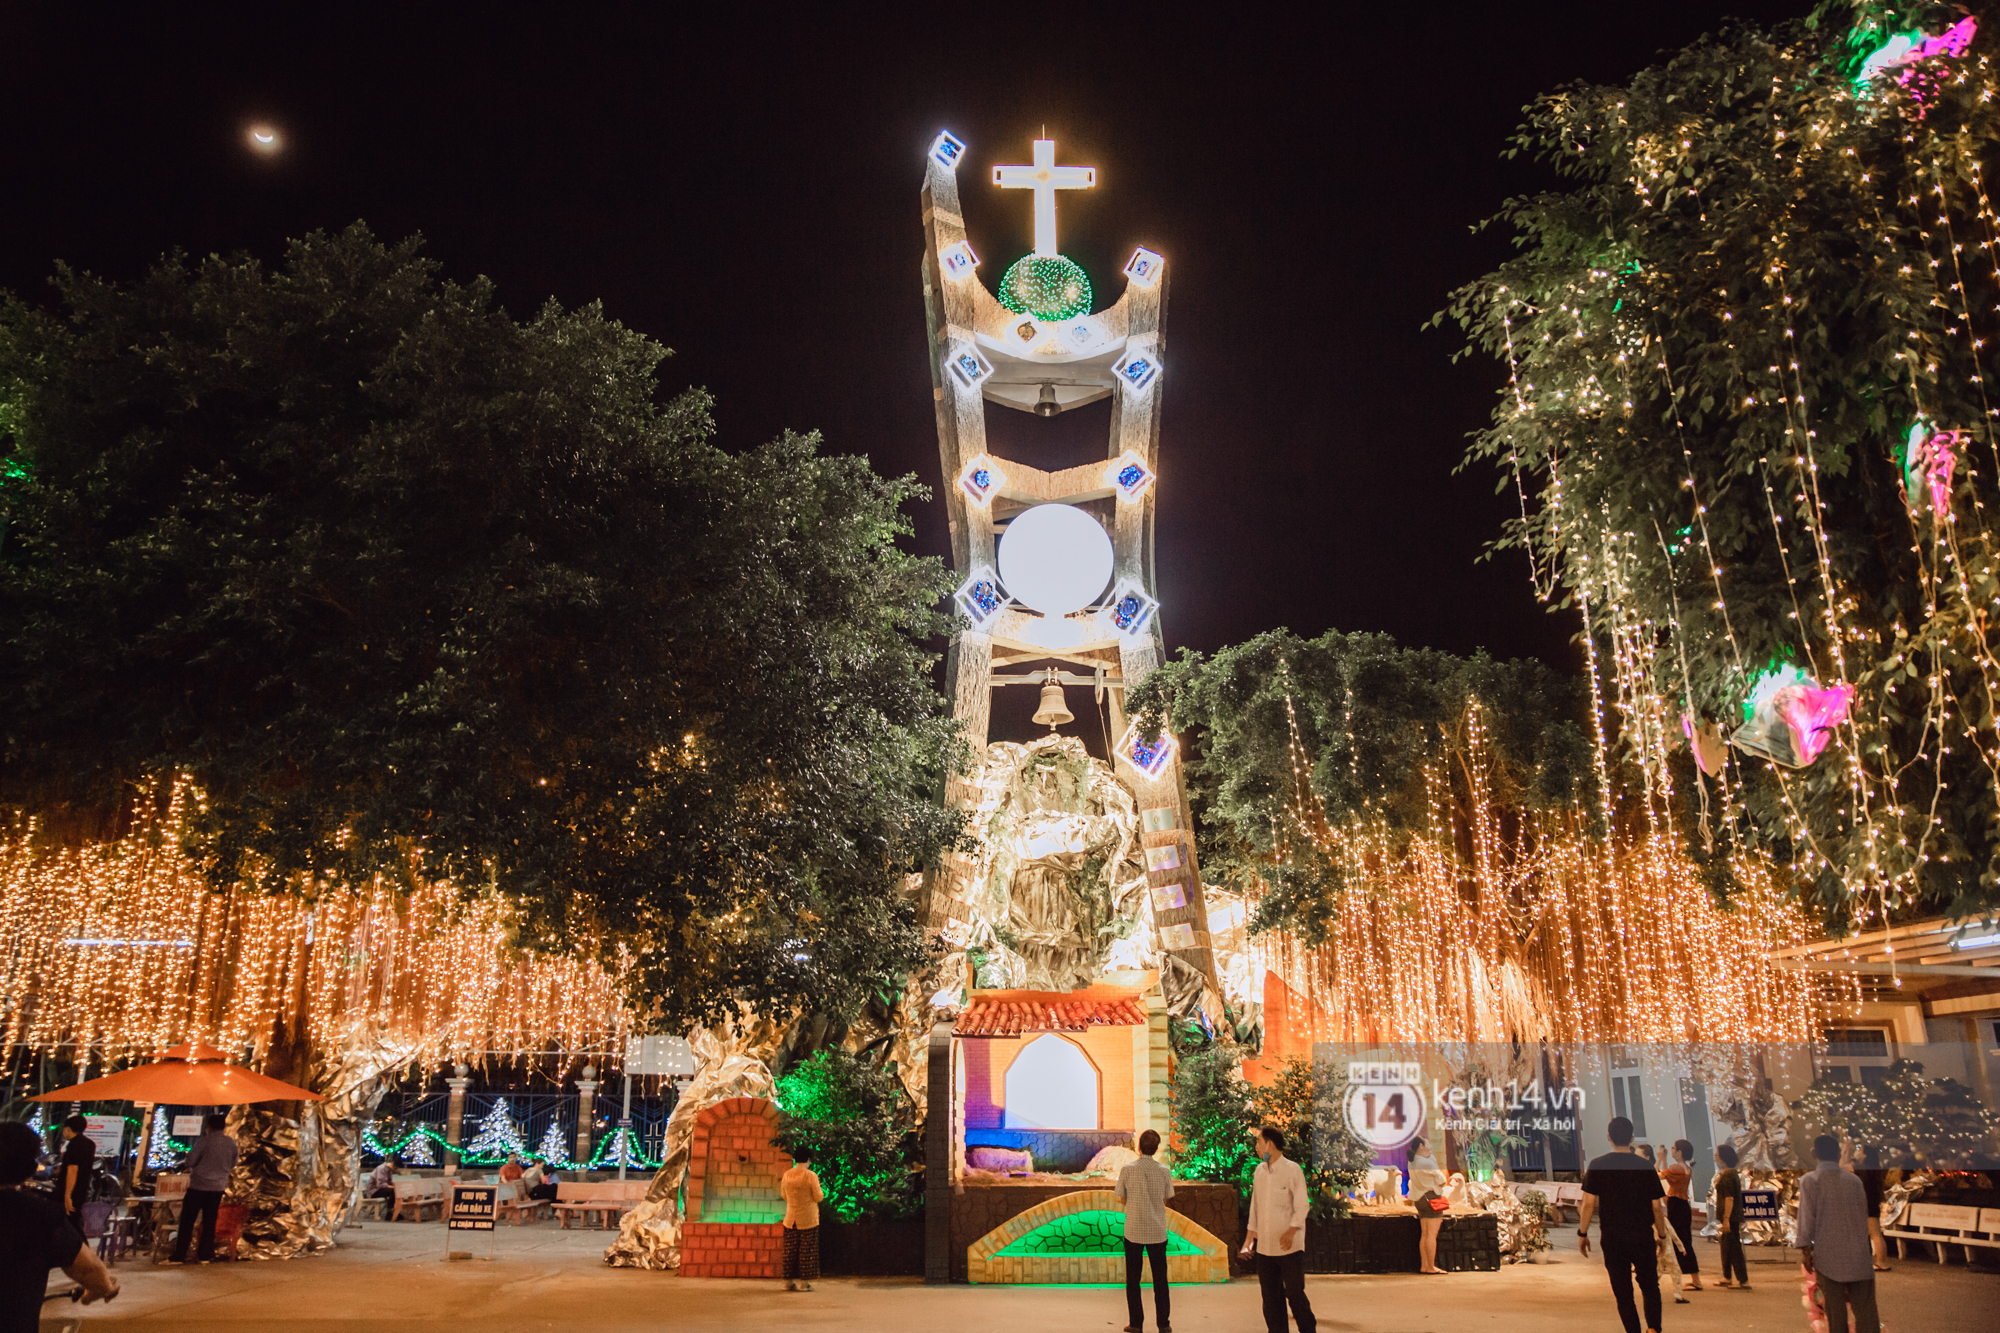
[1053,710]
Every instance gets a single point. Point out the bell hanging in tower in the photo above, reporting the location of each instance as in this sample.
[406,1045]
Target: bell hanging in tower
[1053,710]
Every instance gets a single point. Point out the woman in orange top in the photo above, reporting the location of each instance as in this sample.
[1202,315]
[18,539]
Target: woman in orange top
[1680,1212]
[800,1188]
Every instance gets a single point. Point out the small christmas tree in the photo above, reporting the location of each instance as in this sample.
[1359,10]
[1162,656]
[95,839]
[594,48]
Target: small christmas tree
[555,1145]
[416,1149]
[162,1152]
[498,1135]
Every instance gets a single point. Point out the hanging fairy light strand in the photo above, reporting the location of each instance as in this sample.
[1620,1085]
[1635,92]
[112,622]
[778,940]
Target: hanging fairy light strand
[439,969]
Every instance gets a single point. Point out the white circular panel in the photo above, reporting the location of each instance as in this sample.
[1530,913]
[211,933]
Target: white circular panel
[1055,558]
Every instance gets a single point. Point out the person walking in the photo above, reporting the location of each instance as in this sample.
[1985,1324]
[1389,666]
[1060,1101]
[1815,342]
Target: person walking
[35,1236]
[1144,1187]
[800,1188]
[1277,1233]
[1833,1240]
[1675,1176]
[1627,1192]
[209,1165]
[1729,1219]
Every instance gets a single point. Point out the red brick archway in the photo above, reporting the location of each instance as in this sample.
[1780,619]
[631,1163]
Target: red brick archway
[733,1204]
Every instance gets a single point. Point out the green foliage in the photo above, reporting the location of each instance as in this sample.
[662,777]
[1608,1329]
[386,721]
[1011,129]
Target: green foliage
[1372,719]
[1212,1118]
[851,1116]
[1217,1114]
[1719,335]
[1305,1101]
[412,588]
[1938,1121]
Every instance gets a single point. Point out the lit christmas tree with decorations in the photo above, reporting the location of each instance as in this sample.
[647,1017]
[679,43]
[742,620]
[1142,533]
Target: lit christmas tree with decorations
[416,1150]
[498,1135]
[162,1153]
[555,1145]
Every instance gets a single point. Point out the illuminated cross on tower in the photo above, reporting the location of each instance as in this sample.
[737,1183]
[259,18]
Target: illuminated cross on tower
[1045,178]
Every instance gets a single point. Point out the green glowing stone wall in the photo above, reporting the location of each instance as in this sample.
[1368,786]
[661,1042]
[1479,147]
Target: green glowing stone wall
[1096,1232]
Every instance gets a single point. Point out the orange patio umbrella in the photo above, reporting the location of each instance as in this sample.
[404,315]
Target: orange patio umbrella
[206,1082]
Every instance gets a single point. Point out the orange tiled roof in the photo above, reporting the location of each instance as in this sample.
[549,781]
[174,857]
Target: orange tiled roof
[1009,1013]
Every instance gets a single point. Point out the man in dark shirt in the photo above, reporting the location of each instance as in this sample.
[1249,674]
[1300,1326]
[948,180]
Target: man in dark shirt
[79,1155]
[35,1237]
[1729,1218]
[1624,1189]
[208,1168]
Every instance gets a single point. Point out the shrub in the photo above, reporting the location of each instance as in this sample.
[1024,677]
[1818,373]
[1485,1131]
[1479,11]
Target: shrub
[850,1114]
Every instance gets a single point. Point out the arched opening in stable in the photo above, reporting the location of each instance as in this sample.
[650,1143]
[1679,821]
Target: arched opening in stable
[1052,1085]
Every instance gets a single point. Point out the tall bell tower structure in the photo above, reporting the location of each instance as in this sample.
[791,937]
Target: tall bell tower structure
[1056,568]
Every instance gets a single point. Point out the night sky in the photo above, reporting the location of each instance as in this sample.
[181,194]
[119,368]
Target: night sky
[747,195]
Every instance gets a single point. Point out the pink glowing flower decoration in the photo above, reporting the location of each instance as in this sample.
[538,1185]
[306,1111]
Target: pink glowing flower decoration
[1953,42]
[1812,714]
[1938,460]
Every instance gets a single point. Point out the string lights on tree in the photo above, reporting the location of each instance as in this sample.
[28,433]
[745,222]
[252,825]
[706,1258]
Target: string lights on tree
[1748,414]
[127,952]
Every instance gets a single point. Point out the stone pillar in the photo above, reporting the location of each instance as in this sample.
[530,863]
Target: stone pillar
[586,1096]
[940,1109]
[1159,1080]
[454,1117]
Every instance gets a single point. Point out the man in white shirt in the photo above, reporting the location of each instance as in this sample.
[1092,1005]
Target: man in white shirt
[1144,1187]
[1278,1204]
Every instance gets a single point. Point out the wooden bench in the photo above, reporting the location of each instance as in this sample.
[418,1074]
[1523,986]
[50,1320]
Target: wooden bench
[608,1199]
[1944,1224]
[416,1193]
[515,1203]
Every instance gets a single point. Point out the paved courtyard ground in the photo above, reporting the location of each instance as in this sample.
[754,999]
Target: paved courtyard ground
[391,1278]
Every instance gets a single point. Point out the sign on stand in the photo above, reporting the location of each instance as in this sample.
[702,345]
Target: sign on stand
[473,1208]
[187,1127]
[107,1132]
[1760,1205]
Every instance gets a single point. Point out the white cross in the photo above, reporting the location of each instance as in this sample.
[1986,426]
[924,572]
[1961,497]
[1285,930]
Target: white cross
[1045,178]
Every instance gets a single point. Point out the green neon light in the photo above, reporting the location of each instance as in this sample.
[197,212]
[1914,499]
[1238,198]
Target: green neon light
[606,1148]
[1098,1231]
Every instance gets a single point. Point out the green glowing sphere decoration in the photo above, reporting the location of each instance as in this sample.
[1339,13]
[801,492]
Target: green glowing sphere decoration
[1045,286]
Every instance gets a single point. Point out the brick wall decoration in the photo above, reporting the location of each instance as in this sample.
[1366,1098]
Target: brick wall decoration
[733,1201]
[1067,1239]
[977,1210]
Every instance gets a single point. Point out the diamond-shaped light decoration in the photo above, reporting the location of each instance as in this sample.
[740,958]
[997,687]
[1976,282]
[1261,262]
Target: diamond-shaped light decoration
[958,260]
[1130,611]
[1137,369]
[1130,477]
[1145,267]
[1149,757]
[981,598]
[981,479]
[965,362]
[947,150]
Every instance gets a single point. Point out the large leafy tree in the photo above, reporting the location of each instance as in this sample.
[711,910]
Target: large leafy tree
[1770,278]
[409,587]
[1353,730]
